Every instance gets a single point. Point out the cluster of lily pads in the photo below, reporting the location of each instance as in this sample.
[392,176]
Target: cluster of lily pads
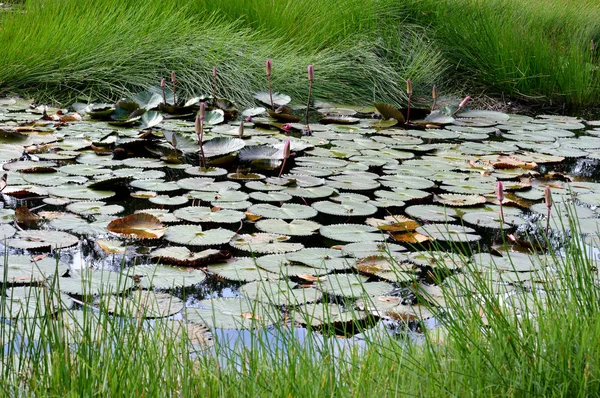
[368,206]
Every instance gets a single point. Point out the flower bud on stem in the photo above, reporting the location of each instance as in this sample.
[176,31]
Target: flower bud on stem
[269,69]
[409,91]
[311,77]
[199,129]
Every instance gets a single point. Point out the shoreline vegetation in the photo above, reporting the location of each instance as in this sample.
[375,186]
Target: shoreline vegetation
[539,52]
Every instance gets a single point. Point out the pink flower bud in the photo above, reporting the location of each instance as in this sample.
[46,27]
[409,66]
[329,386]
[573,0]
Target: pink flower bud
[434,93]
[249,119]
[163,82]
[214,71]
[500,191]
[311,73]
[173,78]
[287,127]
[548,197]
[286,149]
[197,126]
[202,113]
[464,102]
[269,67]
[408,86]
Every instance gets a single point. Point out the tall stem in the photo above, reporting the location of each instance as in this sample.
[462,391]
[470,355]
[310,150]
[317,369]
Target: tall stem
[308,101]
[408,110]
[270,92]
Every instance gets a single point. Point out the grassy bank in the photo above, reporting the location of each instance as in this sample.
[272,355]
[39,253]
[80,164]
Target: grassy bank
[66,49]
[362,50]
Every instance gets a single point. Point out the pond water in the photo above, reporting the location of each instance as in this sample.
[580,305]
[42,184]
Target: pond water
[364,213]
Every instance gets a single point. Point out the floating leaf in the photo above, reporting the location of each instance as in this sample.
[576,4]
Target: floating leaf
[141,304]
[355,286]
[89,282]
[193,235]
[315,315]
[278,98]
[180,255]
[293,228]
[206,214]
[165,277]
[137,226]
[231,313]
[285,212]
[351,233]
[220,146]
[264,243]
[36,239]
[280,293]
[243,269]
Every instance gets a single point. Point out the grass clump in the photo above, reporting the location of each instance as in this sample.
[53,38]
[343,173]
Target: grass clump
[539,50]
[102,50]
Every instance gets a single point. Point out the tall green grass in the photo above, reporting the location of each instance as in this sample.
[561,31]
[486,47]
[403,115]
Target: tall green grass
[538,50]
[104,49]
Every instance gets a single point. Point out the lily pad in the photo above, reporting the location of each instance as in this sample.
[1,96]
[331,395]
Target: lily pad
[292,228]
[280,293]
[165,277]
[137,226]
[91,282]
[285,212]
[231,313]
[243,269]
[351,285]
[315,315]
[193,235]
[37,239]
[141,304]
[264,243]
[202,214]
[352,233]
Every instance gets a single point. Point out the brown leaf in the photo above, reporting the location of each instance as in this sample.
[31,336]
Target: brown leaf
[249,315]
[26,218]
[140,226]
[311,278]
[252,217]
[409,237]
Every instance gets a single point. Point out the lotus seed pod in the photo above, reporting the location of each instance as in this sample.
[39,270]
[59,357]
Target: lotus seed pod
[311,73]
[409,86]
[269,67]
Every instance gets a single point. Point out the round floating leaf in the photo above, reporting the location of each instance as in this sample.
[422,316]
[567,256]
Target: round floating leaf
[90,282]
[141,304]
[206,214]
[264,243]
[392,307]
[438,259]
[220,146]
[293,228]
[205,171]
[287,211]
[311,192]
[33,302]
[514,261]
[243,269]
[144,163]
[207,184]
[352,183]
[25,269]
[351,285]
[193,235]
[345,208]
[167,200]
[404,195]
[486,219]
[432,213]
[396,223]
[458,200]
[280,293]
[320,257]
[366,249]
[6,231]
[279,99]
[155,185]
[137,226]
[281,266]
[393,269]
[275,196]
[231,313]
[79,192]
[36,239]
[76,224]
[316,315]
[351,233]
[449,232]
[94,208]
[180,255]
[166,277]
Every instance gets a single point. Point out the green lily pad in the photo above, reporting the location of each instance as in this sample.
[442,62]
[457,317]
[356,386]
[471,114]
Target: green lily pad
[231,313]
[243,269]
[280,293]
[25,269]
[351,285]
[36,239]
[320,257]
[315,315]
[352,233]
[202,214]
[264,243]
[193,235]
[292,228]
[449,232]
[79,192]
[94,208]
[166,277]
[91,282]
[287,211]
[141,304]
[33,302]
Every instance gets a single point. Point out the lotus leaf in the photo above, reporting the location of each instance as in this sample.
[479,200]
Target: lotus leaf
[206,214]
[280,293]
[243,269]
[90,282]
[193,235]
[285,212]
[264,243]
[33,302]
[37,239]
[315,315]
[351,285]
[231,313]
[137,226]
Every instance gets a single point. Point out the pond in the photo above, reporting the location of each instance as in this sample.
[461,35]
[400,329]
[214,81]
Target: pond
[355,221]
